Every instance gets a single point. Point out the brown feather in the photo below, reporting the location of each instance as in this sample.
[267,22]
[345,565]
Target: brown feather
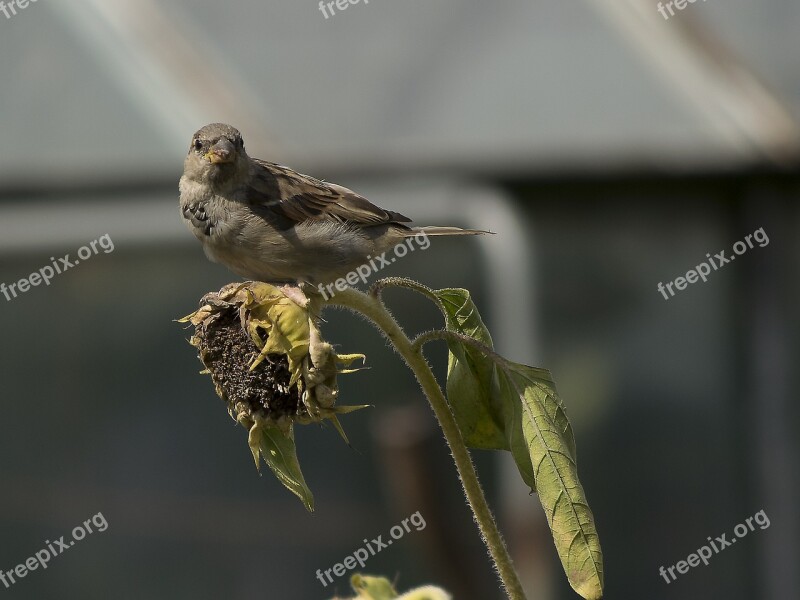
[303,198]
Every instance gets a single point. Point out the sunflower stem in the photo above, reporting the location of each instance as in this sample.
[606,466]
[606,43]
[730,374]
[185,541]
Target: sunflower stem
[371,307]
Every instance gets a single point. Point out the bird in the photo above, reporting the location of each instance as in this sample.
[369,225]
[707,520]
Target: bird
[268,223]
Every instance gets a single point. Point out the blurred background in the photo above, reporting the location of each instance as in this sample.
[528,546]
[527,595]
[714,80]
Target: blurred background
[610,148]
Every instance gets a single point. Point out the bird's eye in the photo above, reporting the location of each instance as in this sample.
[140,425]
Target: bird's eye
[197,145]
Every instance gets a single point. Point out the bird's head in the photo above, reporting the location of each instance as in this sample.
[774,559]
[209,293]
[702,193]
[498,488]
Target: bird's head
[216,154]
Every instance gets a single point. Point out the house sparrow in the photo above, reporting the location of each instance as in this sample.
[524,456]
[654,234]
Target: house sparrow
[268,223]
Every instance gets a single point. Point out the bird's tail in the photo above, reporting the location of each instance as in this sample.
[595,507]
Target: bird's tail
[433,230]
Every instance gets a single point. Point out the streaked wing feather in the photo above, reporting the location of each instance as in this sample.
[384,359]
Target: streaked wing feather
[302,198]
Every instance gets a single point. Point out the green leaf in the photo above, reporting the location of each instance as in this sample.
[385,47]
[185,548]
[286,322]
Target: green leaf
[470,374]
[507,406]
[543,443]
[278,450]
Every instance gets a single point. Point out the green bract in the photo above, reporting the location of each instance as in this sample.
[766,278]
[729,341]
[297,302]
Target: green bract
[380,588]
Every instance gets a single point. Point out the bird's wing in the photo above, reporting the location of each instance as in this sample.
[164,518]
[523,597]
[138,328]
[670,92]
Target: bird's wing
[302,198]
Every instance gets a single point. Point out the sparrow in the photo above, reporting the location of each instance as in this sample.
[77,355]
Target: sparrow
[268,223]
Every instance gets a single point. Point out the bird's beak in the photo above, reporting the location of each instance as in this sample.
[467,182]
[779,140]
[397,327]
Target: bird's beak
[221,152]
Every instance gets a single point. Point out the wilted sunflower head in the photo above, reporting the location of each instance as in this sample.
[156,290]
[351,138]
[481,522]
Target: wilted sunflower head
[264,352]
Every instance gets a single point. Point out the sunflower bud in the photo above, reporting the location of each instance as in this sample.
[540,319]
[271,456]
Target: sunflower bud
[380,588]
[263,349]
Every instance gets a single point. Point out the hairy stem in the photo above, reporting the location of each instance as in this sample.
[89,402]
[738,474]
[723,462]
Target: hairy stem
[442,334]
[371,307]
[404,282]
